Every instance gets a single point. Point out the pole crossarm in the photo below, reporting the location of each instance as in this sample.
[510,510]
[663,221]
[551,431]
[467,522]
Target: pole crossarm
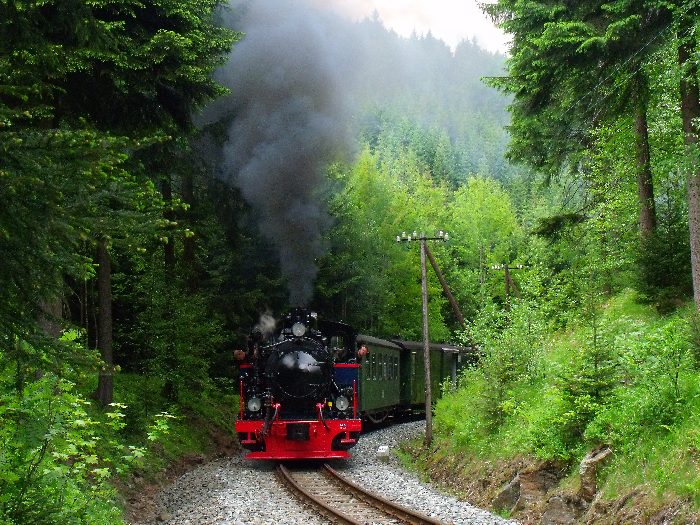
[415,236]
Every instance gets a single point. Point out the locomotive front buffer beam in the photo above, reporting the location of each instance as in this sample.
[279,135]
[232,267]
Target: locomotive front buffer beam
[299,439]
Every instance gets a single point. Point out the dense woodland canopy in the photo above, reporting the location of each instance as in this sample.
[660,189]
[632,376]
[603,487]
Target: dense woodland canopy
[134,259]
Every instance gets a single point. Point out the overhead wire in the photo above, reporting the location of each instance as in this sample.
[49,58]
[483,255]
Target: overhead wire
[596,106]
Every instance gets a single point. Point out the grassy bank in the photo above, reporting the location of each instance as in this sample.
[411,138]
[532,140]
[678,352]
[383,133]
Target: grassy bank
[194,422]
[627,377]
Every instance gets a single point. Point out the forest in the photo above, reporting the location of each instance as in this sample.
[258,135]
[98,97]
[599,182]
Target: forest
[172,170]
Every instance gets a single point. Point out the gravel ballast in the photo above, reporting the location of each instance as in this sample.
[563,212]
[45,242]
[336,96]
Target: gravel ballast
[236,491]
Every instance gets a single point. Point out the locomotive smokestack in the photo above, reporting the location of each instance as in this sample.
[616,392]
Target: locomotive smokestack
[289,114]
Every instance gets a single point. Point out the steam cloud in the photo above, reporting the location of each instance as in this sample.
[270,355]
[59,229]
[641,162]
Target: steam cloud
[290,121]
[266,325]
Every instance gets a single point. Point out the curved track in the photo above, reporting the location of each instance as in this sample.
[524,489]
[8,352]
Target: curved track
[342,501]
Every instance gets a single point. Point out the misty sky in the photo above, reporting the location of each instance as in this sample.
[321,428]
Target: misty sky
[449,20]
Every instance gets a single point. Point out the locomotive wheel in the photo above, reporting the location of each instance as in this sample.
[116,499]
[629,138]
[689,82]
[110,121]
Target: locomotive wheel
[378,417]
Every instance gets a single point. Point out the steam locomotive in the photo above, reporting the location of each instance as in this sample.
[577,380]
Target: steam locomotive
[306,387]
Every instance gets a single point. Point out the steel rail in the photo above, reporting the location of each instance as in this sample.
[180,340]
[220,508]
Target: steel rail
[392,512]
[332,514]
[395,509]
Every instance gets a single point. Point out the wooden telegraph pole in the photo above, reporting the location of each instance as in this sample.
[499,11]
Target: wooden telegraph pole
[441,236]
[426,348]
[509,283]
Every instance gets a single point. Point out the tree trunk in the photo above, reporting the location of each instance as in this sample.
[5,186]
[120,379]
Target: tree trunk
[169,248]
[690,110]
[189,257]
[50,315]
[105,384]
[169,287]
[645,185]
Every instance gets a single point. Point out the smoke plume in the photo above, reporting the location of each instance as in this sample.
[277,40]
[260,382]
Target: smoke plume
[266,325]
[290,121]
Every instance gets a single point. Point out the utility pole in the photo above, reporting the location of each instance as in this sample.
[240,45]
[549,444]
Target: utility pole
[441,236]
[509,283]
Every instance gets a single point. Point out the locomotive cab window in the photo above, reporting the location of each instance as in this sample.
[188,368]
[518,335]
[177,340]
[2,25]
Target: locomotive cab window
[338,348]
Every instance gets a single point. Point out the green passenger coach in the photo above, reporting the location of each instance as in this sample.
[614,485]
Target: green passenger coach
[392,378]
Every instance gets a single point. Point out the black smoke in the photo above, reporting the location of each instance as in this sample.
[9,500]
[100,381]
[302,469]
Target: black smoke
[290,111]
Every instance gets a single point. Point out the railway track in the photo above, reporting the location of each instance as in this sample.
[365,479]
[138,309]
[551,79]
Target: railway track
[341,501]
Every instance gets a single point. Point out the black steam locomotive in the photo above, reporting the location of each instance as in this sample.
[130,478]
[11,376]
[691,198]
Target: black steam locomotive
[299,390]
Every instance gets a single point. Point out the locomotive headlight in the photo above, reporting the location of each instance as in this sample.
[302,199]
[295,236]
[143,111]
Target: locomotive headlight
[342,403]
[298,329]
[254,404]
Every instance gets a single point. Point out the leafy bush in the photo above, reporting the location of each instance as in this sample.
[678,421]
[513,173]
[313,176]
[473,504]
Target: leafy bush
[512,349]
[57,453]
[658,386]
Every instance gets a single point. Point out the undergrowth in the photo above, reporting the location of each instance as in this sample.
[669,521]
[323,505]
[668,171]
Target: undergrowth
[60,454]
[625,377]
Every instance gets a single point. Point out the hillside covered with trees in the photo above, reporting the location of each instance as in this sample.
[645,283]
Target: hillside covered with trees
[170,171]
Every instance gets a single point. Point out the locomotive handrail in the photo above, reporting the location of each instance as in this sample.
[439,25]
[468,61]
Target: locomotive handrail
[268,421]
[319,407]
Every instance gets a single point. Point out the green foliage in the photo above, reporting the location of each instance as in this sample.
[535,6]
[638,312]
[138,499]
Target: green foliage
[91,95]
[511,345]
[664,258]
[59,454]
[57,459]
[367,277]
[623,376]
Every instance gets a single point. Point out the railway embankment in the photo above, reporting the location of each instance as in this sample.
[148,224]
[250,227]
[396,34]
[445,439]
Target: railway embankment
[533,491]
[596,424]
